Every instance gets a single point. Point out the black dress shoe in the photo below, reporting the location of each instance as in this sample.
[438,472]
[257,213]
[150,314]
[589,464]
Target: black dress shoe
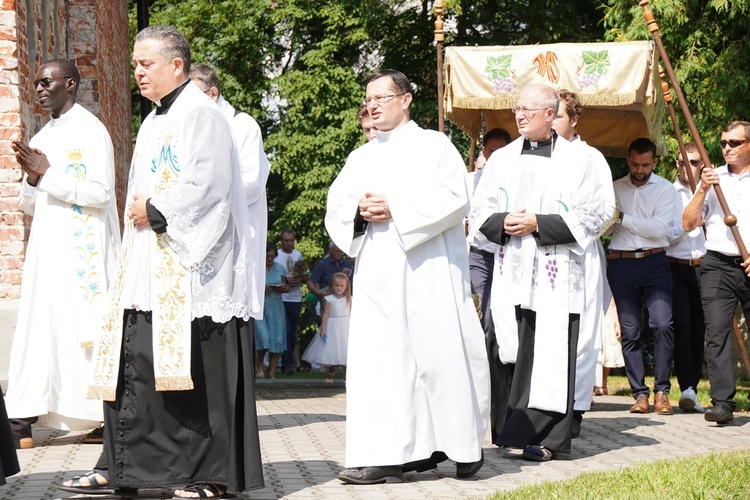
[576,429]
[538,453]
[466,470]
[427,464]
[718,414]
[372,475]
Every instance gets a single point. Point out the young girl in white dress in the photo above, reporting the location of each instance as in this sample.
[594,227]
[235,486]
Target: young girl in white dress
[329,347]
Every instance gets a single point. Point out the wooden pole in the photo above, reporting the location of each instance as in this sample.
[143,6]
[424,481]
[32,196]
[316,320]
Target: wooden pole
[729,219]
[673,116]
[439,39]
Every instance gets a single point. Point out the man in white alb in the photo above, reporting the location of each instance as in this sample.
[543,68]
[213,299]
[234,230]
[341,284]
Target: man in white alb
[69,189]
[417,373]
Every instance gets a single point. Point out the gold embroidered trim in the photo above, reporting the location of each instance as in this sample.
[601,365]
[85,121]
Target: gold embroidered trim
[174,384]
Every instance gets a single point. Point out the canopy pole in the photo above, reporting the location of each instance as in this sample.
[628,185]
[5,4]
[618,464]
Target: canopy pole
[730,220]
[439,39]
[678,134]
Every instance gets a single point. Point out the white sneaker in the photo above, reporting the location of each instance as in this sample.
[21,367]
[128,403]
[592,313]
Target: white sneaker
[689,402]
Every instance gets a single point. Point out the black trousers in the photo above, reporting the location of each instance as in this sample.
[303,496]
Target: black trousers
[723,283]
[689,326]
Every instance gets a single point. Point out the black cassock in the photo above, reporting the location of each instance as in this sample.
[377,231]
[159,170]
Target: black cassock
[8,458]
[174,438]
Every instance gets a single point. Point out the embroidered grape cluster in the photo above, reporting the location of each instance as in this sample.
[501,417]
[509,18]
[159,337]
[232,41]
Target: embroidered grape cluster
[500,258]
[551,268]
[504,85]
[589,80]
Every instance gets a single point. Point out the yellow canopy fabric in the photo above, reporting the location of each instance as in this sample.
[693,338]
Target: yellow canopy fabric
[617,82]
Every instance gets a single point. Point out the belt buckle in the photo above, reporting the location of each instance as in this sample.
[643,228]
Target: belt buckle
[639,255]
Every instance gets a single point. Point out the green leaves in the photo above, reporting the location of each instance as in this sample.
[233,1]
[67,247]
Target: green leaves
[596,62]
[498,67]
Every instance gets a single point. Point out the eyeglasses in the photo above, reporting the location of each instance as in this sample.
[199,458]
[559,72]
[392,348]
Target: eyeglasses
[527,112]
[732,143]
[382,99]
[46,82]
[694,163]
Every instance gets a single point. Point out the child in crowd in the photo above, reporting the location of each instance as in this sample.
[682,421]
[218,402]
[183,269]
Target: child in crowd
[329,347]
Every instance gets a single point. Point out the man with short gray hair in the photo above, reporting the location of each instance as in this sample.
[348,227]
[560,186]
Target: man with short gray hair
[174,360]
[725,276]
[541,203]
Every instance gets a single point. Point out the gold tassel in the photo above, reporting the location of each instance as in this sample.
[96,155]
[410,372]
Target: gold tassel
[174,384]
[101,393]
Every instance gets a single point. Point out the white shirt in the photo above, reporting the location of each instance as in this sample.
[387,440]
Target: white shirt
[684,245]
[718,236]
[288,260]
[648,210]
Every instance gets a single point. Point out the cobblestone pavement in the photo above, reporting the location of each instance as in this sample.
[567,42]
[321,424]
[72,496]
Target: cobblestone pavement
[302,438]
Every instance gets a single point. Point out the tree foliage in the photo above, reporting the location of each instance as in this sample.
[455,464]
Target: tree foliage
[708,44]
[298,66]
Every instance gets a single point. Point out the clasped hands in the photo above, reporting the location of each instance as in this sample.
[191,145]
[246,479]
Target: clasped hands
[374,207]
[33,162]
[520,223]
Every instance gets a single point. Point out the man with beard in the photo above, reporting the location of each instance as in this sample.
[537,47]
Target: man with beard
[638,272]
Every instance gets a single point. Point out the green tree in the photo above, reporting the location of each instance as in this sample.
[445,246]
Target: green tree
[708,44]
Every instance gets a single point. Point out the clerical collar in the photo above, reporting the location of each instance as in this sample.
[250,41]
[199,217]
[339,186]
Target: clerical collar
[163,105]
[541,148]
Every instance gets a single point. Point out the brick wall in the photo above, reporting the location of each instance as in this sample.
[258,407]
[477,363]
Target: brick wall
[94,35]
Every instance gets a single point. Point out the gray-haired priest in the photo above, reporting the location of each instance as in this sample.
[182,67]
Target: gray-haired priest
[539,199]
[174,362]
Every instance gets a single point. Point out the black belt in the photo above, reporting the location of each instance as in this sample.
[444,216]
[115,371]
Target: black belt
[481,252]
[729,259]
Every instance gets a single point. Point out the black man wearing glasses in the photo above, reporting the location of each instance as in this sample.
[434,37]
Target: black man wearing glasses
[69,188]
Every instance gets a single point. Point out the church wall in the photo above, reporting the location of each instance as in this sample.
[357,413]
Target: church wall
[94,35]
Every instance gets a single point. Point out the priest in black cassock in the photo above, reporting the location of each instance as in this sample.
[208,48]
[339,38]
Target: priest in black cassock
[174,362]
[539,200]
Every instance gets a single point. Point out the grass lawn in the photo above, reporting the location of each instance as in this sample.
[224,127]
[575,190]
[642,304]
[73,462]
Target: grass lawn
[719,475]
[618,386]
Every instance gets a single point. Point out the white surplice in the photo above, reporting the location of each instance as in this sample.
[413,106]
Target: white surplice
[71,253]
[254,169]
[417,374]
[546,279]
[598,296]
[185,161]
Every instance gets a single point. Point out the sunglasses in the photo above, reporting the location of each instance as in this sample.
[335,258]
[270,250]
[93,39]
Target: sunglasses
[47,82]
[694,163]
[732,143]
